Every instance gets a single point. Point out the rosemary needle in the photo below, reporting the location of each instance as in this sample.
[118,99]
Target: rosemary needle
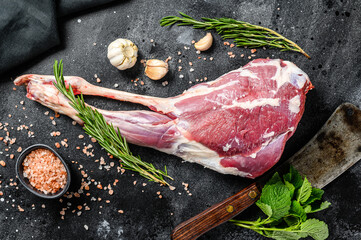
[106,135]
[243,33]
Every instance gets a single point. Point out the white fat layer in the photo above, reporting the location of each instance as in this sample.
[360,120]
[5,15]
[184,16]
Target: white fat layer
[283,74]
[267,135]
[204,90]
[227,147]
[253,155]
[275,102]
[195,152]
[294,104]
[248,73]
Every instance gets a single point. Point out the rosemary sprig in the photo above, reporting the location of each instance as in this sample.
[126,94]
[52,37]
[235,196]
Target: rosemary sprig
[109,138]
[243,33]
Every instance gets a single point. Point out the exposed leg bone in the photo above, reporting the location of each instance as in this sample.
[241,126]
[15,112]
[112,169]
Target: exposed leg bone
[80,85]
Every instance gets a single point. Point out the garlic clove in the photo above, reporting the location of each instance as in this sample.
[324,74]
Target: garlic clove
[122,53]
[156,69]
[205,43]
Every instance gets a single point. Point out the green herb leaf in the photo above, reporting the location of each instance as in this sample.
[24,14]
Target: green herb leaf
[316,229]
[298,210]
[282,235]
[291,220]
[277,196]
[316,194]
[307,209]
[290,187]
[321,207]
[274,179]
[305,191]
[294,177]
[265,208]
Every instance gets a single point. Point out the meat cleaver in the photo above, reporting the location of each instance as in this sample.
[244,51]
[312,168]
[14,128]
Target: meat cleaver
[334,149]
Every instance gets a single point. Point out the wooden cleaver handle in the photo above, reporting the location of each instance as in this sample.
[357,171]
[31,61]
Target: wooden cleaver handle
[217,214]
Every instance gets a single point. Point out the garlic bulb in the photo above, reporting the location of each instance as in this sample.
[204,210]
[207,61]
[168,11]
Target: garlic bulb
[156,69]
[205,43]
[122,53]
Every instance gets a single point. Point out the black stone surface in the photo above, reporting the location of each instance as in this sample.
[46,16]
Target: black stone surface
[328,30]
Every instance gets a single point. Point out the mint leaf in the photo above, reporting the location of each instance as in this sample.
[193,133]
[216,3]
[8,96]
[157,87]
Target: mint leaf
[323,206]
[291,220]
[286,201]
[297,210]
[307,209]
[293,177]
[282,235]
[316,194]
[290,187]
[277,196]
[274,179]
[305,191]
[265,208]
[316,229]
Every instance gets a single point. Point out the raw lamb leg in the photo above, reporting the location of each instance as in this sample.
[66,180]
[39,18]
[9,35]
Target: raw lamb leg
[237,124]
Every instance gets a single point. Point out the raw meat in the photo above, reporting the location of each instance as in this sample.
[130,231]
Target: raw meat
[237,124]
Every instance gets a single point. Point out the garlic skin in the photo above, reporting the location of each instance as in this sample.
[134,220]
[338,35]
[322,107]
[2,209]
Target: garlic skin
[156,69]
[122,53]
[205,43]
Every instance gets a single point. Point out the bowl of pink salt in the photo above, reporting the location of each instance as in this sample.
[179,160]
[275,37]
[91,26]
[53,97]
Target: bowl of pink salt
[43,172]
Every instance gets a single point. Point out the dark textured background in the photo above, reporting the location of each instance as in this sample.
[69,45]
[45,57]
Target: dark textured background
[328,30]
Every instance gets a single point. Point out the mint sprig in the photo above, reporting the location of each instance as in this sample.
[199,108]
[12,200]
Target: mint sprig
[287,201]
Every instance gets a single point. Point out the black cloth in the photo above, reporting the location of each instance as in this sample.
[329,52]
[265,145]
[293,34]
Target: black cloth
[29,27]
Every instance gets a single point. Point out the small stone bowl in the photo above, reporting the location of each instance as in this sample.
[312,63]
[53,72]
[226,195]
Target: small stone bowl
[19,172]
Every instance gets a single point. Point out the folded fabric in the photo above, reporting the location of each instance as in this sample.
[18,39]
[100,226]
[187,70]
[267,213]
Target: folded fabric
[29,28]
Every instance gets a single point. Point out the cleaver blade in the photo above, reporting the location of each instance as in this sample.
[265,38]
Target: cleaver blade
[333,150]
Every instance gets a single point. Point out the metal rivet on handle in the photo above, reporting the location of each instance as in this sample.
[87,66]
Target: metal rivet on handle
[252,194]
[229,208]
